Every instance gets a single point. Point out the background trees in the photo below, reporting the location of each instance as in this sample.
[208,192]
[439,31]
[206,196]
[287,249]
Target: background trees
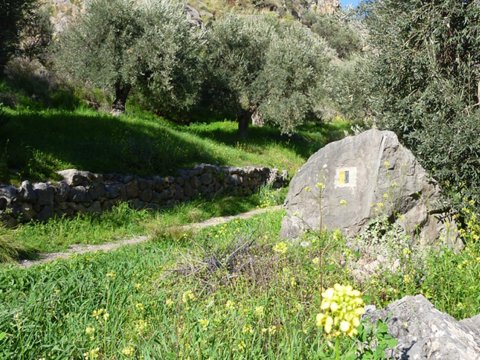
[13,16]
[121,45]
[265,66]
[425,81]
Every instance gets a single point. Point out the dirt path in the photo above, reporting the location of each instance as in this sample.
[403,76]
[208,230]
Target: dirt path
[82,249]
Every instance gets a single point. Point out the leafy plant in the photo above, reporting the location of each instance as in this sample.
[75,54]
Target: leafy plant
[424,82]
[124,45]
[282,84]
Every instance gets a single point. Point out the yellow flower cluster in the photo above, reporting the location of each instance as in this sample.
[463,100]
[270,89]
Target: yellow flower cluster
[259,311]
[90,331]
[100,314]
[204,323]
[92,354]
[229,305]
[140,326]
[471,231]
[281,247]
[188,296]
[128,351]
[341,307]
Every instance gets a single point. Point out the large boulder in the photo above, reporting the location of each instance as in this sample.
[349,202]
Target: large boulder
[424,332]
[348,183]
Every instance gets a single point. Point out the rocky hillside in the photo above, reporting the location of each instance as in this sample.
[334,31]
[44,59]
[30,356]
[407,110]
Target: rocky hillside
[64,10]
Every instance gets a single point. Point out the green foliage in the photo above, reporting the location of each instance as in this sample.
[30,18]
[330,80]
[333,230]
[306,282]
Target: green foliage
[375,340]
[13,14]
[169,298]
[36,34]
[425,80]
[264,64]
[341,35]
[123,222]
[448,278]
[122,45]
[144,144]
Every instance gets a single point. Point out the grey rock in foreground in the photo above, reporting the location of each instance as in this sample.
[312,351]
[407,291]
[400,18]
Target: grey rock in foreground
[366,176]
[424,332]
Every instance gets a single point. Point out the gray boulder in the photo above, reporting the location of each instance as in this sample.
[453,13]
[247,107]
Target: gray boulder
[424,332]
[349,182]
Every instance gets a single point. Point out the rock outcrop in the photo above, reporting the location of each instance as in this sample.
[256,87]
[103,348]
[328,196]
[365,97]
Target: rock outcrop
[424,332]
[83,191]
[348,183]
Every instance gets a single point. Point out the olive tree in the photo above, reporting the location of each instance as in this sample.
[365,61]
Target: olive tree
[122,45]
[261,64]
[425,82]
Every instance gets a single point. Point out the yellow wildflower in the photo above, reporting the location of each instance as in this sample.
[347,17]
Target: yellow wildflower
[139,306]
[341,308]
[111,275]
[90,331]
[204,323]
[247,329]
[100,313]
[281,247]
[241,346]
[92,354]
[229,304]
[169,302]
[128,351]
[272,330]
[140,326]
[259,311]
[188,296]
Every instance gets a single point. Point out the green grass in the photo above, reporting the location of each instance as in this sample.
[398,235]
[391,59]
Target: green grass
[145,290]
[187,297]
[122,222]
[37,143]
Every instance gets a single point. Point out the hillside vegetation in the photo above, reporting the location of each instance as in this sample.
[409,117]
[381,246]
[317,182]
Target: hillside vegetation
[150,87]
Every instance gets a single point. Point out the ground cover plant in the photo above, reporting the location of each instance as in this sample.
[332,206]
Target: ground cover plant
[123,222]
[143,144]
[164,299]
[232,291]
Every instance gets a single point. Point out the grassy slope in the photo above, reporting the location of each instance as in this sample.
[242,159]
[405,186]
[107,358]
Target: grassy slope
[38,143]
[52,305]
[46,310]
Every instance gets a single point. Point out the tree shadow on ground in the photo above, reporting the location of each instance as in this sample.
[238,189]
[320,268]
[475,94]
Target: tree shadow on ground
[40,142]
[307,140]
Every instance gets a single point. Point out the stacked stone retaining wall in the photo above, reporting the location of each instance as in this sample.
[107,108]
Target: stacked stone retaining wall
[86,192]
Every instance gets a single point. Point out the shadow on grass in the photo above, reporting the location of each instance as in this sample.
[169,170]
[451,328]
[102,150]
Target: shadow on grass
[38,143]
[308,139]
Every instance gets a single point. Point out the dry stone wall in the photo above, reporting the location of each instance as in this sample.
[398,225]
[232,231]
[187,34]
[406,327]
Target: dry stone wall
[86,192]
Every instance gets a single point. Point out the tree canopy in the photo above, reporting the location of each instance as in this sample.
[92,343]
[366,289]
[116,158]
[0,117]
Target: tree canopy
[120,45]
[426,83]
[268,66]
